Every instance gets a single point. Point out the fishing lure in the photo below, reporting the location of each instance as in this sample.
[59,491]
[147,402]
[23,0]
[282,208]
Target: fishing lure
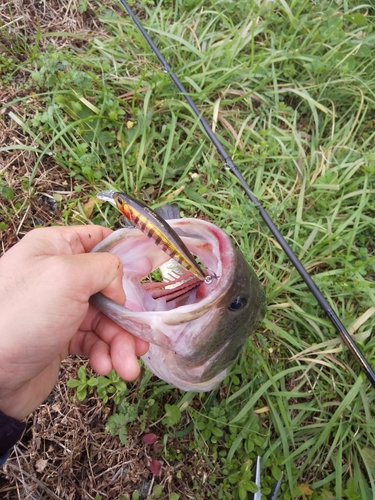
[156,228]
[323,303]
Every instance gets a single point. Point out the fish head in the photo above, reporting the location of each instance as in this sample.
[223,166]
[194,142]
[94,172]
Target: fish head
[237,314]
[194,339]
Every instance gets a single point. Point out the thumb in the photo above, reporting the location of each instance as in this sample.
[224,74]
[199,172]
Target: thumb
[90,273]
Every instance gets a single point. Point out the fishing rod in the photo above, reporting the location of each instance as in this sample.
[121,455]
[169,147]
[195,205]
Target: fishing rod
[344,334]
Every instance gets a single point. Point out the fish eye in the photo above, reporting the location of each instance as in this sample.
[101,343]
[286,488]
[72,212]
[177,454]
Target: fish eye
[238,303]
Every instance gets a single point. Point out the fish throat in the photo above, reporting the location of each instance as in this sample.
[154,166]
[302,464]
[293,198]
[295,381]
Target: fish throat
[176,284]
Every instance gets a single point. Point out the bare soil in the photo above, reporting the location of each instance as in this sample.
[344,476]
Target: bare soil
[65,452]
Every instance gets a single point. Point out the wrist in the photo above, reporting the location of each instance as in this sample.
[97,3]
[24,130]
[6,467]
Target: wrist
[19,402]
[12,409]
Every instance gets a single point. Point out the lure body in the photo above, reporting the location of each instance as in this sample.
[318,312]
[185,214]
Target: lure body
[156,228]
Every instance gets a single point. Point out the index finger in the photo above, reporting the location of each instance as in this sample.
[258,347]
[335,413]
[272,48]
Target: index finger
[88,236]
[66,240]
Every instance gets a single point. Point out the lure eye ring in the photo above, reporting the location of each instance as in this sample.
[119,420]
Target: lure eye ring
[118,199]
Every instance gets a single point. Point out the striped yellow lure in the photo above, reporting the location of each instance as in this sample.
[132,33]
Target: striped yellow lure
[156,228]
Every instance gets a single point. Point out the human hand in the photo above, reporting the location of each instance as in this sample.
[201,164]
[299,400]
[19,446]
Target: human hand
[46,281]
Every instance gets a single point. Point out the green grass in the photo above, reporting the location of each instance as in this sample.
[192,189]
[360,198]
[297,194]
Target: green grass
[290,87]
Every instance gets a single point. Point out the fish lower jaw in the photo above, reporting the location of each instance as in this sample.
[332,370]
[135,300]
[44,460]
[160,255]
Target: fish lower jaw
[159,361]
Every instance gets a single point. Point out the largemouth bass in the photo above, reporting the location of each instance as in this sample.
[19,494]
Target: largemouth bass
[196,329]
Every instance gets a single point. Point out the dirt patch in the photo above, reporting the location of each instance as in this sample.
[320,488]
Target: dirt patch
[24,204]
[65,452]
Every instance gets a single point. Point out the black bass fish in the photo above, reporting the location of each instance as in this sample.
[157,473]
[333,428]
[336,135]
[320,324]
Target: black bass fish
[196,329]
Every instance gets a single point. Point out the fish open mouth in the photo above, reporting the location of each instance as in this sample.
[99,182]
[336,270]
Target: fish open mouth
[178,288]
